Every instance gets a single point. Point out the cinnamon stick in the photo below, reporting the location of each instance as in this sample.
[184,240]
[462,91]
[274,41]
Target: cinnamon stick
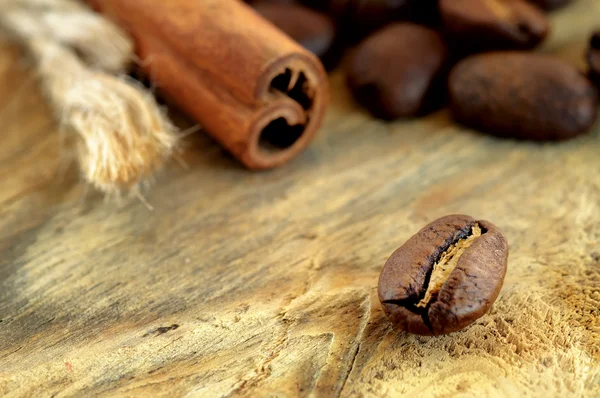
[256,91]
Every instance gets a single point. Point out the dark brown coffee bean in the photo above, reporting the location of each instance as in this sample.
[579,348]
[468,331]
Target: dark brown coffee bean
[522,95]
[398,71]
[444,277]
[359,18]
[482,25]
[313,30]
[594,58]
[321,5]
[550,5]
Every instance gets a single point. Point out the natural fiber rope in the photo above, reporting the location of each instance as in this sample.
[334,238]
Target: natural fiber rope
[124,138]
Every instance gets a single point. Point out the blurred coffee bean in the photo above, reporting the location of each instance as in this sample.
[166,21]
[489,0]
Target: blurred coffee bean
[482,25]
[522,95]
[399,71]
[321,5]
[359,18]
[313,30]
[549,5]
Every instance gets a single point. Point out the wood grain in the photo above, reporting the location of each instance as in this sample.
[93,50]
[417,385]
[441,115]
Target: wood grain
[264,284]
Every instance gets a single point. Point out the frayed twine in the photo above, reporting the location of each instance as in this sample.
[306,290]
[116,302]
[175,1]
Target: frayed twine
[123,137]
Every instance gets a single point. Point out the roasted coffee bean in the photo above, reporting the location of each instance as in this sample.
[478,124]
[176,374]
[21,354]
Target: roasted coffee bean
[444,277]
[482,25]
[594,58]
[399,71]
[313,30]
[522,95]
[359,18]
[321,5]
[550,4]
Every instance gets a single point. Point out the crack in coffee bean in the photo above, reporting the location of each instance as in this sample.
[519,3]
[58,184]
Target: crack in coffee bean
[446,264]
[444,277]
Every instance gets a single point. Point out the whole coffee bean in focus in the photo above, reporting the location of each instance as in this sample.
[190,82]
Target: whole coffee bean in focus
[522,95]
[482,25]
[399,71]
[444,277]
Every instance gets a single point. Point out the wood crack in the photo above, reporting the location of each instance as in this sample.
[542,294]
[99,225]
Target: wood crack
[366,304]
[262,370]
[347,375]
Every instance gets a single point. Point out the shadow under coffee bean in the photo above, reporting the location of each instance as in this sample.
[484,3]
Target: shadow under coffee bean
[444,277]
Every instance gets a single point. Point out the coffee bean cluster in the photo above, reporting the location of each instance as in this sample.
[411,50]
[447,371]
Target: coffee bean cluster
[407,58]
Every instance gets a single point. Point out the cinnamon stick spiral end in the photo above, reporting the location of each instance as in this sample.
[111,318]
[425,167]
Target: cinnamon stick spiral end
[252,88]
[295,96]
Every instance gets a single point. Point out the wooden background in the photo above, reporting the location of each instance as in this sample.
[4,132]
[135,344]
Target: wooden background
[264,284]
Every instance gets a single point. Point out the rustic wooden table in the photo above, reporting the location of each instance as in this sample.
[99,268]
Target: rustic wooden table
[264,284]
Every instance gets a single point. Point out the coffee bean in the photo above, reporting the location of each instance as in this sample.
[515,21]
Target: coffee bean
[321,5]
[399,71]
[359,18]
[444,277]
[594,58]
[482,25]
[522,95]
[313,30]
[550,4]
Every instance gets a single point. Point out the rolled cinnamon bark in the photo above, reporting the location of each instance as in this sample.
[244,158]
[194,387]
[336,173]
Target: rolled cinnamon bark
[256,91]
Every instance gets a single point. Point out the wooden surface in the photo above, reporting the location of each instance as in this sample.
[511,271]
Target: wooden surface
[264,284]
